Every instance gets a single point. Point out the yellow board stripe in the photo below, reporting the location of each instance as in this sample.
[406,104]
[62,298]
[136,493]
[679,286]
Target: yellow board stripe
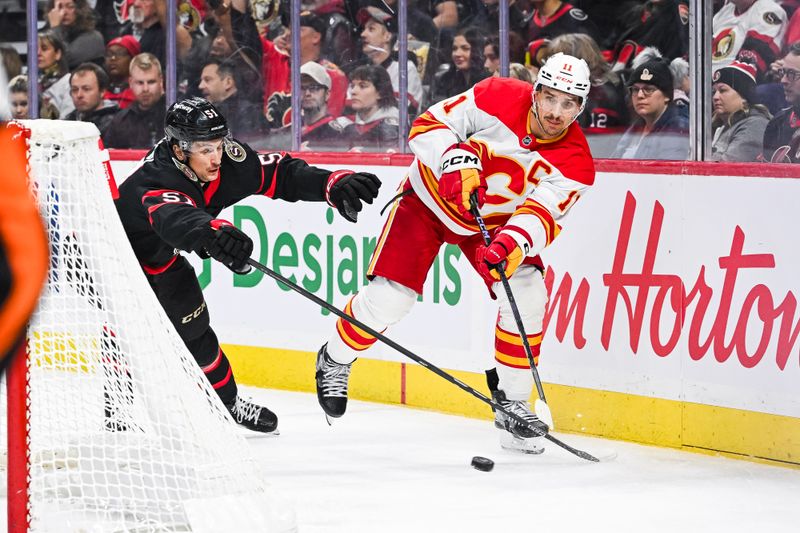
[749,435]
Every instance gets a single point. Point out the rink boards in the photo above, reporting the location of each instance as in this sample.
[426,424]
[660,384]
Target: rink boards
[673,316]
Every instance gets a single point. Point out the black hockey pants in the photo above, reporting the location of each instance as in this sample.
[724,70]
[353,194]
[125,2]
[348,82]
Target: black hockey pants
[180,295]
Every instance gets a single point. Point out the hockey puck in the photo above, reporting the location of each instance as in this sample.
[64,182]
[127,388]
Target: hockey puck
[482,463]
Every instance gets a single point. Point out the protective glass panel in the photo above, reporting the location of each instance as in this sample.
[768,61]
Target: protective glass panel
[755,83]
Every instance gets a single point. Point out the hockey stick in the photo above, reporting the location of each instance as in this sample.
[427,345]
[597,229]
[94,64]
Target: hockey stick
[436,370]
[540,405]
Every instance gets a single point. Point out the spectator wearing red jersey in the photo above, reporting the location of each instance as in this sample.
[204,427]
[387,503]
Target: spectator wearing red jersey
[119,53]
[312,37]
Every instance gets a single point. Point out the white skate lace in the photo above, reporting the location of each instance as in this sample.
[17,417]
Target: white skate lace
[520,408]
[245,410]
[334,378]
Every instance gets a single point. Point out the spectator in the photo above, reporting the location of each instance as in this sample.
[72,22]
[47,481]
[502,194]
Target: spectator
[277,78]
[378,35]
[88,83]
[486,16]
[340,36]
[679,68]
[782,136]
[12,62]
[661,130]
[219,85]
[149,18]
[53,74]
[491,52]
[141,124]
[312,36]
[73,22]
[119,53]
[606,111]
[466,66]
[749,30]
[535,55]
[663,24]
[420,26]
[237,41]
[444,13]
[318,124]
[519,72]
[375,123]
[552,18]
[738,122]
[18,96]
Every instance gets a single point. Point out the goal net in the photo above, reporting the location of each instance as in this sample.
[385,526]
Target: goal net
[112,426]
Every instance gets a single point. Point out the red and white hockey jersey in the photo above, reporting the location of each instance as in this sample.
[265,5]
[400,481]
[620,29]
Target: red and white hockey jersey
[754,35]
[532,184]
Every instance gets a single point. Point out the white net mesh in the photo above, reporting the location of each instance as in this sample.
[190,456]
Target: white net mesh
[126,434]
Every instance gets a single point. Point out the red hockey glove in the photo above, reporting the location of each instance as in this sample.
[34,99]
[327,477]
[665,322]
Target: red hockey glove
[230,246]
[461,176]
[346,189]
[502,252]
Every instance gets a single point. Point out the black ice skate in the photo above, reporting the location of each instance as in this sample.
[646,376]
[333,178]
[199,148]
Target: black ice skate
[521,409]
[515,436]
[332,378]
[253,416]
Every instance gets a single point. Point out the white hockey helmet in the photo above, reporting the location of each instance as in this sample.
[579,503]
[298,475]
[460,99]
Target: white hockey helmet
[565,73]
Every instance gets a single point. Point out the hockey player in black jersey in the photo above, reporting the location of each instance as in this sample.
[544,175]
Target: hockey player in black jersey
[171,203]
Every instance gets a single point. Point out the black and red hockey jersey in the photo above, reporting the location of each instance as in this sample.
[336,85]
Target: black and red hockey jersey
[165,209]
[566,19]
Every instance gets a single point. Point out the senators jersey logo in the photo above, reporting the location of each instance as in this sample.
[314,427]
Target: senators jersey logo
[723,44]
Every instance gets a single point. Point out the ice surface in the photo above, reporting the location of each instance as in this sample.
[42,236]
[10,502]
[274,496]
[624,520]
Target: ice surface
[389,469]
[386,468]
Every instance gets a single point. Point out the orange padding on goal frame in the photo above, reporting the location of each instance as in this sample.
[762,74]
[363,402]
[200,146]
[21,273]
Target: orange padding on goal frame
[22,238]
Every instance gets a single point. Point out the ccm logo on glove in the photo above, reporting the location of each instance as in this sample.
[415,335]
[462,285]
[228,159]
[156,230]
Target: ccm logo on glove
[461,176]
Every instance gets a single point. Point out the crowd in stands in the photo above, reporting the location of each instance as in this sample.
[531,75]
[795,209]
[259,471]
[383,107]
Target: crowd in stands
[103,61]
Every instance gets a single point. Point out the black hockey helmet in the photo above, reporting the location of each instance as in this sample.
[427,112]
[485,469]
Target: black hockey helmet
[194,119]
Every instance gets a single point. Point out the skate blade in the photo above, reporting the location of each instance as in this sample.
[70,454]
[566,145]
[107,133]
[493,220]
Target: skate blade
[252,434]
[515,444]
[328,419]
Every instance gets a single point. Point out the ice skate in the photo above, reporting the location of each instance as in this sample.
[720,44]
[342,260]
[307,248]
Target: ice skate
[532,446]
[521,409]
[253,416]
[332,379]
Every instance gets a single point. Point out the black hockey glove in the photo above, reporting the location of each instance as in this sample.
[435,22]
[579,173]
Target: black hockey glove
[230,246]
[346,189]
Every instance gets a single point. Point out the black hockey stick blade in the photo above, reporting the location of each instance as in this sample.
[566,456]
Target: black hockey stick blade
[414,357]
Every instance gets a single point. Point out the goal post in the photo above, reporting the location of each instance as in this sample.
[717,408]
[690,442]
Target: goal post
[111,424]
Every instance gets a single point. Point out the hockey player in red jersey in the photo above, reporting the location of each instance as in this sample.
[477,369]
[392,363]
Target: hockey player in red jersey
[171,204]
[528,162]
